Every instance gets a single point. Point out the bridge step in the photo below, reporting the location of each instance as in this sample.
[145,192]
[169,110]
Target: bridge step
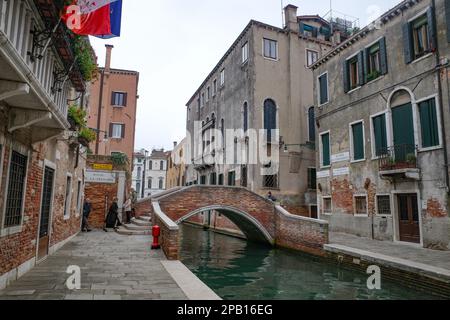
[145,218]
[136,227]
[126,232]
[141,223]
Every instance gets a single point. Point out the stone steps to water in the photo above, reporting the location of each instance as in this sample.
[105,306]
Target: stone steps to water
[145,218]
[122,230]
[141,223]
[140,226]
[132,226]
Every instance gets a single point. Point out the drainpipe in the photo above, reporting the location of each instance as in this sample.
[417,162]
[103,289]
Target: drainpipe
[441,106]
[99,115]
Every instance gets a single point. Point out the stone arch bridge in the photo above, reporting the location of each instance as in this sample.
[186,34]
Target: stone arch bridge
[258,218]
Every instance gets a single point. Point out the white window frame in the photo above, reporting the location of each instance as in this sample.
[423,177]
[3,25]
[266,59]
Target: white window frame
[113,102]
[372,132]
[352,147]
[390,204]
[323,206]
[245,52]
[121,128]
[68,207]
[276,50]
[8,231]
[439,121]
[307,50]
[357,72]
[222,77]
[362,195]
[318,91]
[321,148]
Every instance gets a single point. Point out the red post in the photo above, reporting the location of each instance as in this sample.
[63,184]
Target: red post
[156,232]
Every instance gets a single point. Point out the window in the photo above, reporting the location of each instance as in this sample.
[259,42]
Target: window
[270,181]
[361,205]
[138,187]
[270,49]
[222,77]
[208,94]
[384,205]
[311,125]
[188,114]
[231,178]
[161,166]
[245,52]
[221,179]
[311,57]
[323,89]
[150,165]
[325,150]
[117,130]
[357,141]
[16,182]
[429,123]
[202,100]
[222,129]
[139,172]
[379,135]
[213,179]
[326,206]
[374,62]
[149,183]
[67,201]
[270,118]
[203,180]
[214,87]
[79,186]
[245,117]
[161,184]
[308,30]
[244,177]
[353,73]
[419,36]
[119,99]
[312,179]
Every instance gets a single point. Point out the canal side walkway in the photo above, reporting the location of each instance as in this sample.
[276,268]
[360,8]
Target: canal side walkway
[416,260]
[113,267]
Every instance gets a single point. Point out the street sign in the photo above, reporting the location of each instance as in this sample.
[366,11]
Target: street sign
[102,166]
[100,177]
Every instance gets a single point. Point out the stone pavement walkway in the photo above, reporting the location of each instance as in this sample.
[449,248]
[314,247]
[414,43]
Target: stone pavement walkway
[113,267]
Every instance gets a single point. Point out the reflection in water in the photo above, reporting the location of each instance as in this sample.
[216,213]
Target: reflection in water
[236,269]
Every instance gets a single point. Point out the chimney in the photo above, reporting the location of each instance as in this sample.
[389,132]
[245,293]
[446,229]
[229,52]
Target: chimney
[108,57]
[290,18]
[175,144]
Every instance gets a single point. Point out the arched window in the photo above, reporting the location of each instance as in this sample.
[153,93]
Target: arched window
[222,128]
[161,165]
[245,117]
[161,183]
[270,118]
[311,125]
[149,183]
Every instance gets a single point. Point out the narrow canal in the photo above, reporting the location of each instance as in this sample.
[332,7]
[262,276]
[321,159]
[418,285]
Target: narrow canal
[238,270]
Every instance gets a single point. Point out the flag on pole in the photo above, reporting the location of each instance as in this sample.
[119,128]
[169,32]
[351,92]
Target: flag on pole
[99,18]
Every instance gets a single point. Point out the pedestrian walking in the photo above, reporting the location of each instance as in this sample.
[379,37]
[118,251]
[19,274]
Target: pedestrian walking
[87,207]
[112,219]
[128,210]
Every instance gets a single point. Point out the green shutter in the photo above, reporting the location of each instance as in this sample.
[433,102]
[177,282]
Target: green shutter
[432,28]
[326,161]
[366,64]
[379,131]
[361,70]
[323,83]
[403,131]
[429,124]
[407,43]
[358,141]
[345,73]
[383,56]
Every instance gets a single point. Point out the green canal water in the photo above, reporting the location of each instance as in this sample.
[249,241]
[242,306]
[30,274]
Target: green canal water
[238,270]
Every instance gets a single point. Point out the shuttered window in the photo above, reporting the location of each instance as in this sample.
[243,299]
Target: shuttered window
[16,182]
[375,60]
[119,99]
[312,179]
[354,72]
[270,118]
[117,130]
[429,123]
[323,89]
[311,125]
[326,157]
[357,131]
[245,117]
[380,135]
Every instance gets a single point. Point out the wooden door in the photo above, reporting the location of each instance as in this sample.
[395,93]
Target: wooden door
[46,206]
[314,212]
[408,214]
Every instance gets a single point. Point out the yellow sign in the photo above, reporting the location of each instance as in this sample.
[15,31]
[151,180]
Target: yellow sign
[98,166]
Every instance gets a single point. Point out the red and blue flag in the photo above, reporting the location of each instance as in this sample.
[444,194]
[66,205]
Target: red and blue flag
[99,18]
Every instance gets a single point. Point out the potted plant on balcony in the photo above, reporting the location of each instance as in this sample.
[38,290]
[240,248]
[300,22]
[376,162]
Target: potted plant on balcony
[76,117]
[411,159]
[373,75]
[86,136]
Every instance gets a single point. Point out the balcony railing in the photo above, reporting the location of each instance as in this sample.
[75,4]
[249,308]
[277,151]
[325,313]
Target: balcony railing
[398,157]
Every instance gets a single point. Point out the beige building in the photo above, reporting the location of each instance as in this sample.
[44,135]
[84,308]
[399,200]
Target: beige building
[263,82]
[113,110]
[176,172]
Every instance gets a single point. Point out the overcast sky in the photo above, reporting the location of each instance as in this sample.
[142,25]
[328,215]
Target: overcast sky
[174,44]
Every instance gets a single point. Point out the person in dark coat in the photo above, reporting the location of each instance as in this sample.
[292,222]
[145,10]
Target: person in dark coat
[87,207]
[112,219]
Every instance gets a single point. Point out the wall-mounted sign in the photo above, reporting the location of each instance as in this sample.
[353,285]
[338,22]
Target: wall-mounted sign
[341,172]
[102,166]
[323,174]
[341,157]
[100,177]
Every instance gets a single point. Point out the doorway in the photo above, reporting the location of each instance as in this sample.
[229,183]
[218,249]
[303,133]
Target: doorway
[46,206]
[408,215]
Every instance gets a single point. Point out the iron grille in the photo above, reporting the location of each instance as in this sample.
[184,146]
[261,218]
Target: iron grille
[46,205]
[244,178]
[360,205]
[14,200]
[384,205]
[270,181]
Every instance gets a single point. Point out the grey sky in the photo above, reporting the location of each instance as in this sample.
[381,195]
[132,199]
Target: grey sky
[174,44]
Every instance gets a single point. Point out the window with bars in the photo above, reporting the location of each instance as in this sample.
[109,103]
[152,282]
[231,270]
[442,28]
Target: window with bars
[203,180]
[244,177]
[384,205]
[270,181]
[68,197]
[79,186]
[16,182]
[361,205]
[326,207]
[213,179]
